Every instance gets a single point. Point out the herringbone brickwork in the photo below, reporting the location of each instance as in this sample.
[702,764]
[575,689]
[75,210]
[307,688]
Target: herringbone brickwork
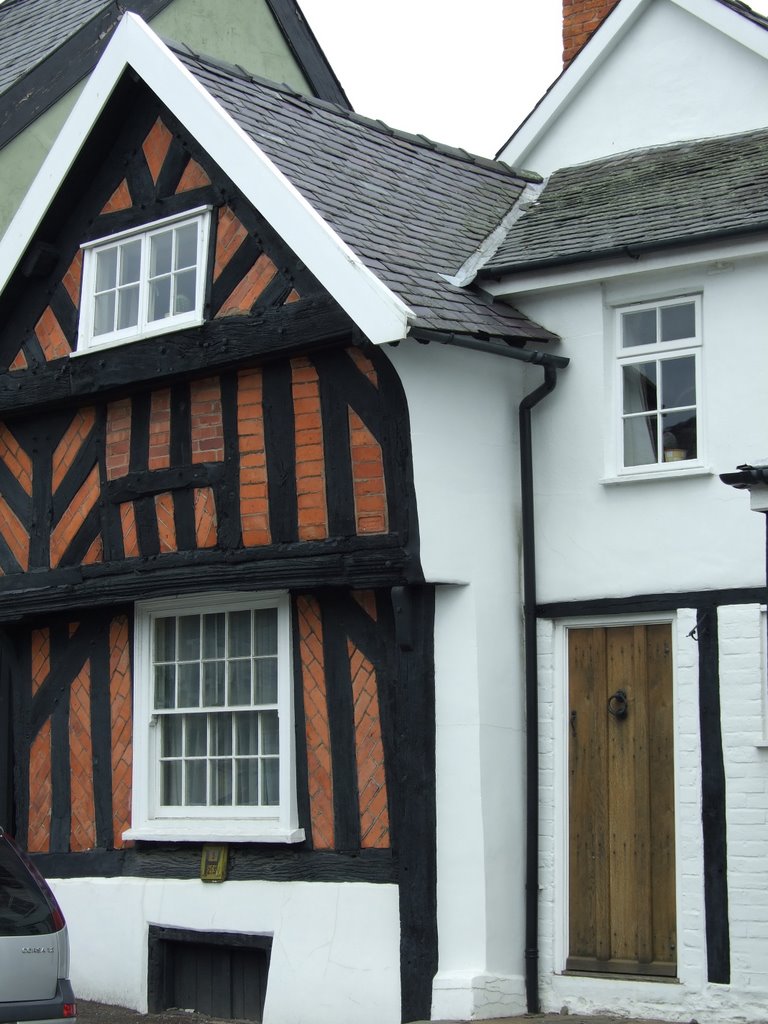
[310,456]
[130,533]
[41,657]
[16,460]
[14,534]
[65,530]
[166,525]
[122,731]
[69,447]
[254,502]
[205,518]
[38,836]
[316,724]
[83,815]
[369,753]
[367,478]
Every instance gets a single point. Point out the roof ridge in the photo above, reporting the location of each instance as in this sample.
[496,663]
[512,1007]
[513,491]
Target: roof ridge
[419,140]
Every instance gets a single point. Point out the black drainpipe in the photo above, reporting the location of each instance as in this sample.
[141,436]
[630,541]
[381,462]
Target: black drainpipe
[531,693]
[551,364]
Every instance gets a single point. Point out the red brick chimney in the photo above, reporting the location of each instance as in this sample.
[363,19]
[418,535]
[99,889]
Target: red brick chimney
[580,19]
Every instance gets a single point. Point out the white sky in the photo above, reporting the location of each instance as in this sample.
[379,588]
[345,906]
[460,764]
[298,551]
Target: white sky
[464,72]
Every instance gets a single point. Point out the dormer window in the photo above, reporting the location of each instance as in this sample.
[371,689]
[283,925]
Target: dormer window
[137,284]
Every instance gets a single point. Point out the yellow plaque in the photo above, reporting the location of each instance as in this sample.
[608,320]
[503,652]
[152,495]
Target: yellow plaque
[213,866]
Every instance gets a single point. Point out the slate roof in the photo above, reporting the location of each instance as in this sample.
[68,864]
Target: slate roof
[412,210]
[647,199]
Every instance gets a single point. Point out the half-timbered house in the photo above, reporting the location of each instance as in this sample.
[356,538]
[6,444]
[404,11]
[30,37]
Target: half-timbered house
[217,598]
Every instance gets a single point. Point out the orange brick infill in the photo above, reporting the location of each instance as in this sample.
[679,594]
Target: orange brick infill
[193,177]
[130,534]
[118,441]
[230,233]
[119,200]
[41,657]
[83,815]
[19,361]
[166,524]
[364,365]
[73,278]
[368,485]
[159,455]
[69,447]
[52,339]
[367,601]
[369,753]
[64,532]
[206,535]
[316,723]
[254,498]
[95,552]
[14,534]
[310,459]
[245,294]
[206,419]
[156,146]
[39,832]
[16,460]
[121,723]
[291,297]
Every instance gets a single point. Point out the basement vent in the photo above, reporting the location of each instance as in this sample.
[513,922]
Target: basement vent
[221,974]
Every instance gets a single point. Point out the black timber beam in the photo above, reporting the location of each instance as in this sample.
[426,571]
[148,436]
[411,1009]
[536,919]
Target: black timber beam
[215,346]
[308,52]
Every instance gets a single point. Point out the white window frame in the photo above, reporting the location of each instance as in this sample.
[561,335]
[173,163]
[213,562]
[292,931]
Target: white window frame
[150,820]
[144,328]
[659,351]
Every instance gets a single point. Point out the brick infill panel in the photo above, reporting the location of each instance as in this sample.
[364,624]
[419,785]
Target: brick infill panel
[119,200]
[206,420]
[156,146]
[206,523]
[52,338]
[230,233]
[14,534]
[122,728]
[166,524]
[316,723]
[118,440]
[65,530]
[83,814]
[73,278]
[159,455]
[39,831]
[254,498]
[16,460]
[130,533]
[41,657]
[245,294]
[193,177]
[369,753]
[368,484]
[69,447]
[310,457]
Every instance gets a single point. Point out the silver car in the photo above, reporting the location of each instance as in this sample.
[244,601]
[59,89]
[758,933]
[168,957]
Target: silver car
[34,948]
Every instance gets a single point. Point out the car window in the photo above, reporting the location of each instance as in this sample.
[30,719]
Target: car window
[24,909]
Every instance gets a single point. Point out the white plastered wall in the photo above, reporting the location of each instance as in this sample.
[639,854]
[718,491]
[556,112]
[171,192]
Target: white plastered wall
[328,965]
[463,410]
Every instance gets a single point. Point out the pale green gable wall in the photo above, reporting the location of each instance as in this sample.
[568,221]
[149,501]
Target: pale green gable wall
[238,31]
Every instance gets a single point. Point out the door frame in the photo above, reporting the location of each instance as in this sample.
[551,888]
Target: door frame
[560,740]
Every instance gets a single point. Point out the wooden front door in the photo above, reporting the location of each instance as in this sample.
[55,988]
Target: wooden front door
[621,801]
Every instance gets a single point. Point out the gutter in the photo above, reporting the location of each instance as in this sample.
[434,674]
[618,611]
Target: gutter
[551,364]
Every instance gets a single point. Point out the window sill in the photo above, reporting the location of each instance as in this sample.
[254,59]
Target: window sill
[212,831]
[657,474]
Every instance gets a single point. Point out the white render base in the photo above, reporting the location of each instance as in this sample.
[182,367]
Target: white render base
[329,963]
[460,995]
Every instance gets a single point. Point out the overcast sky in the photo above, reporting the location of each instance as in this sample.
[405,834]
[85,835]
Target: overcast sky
[461,73]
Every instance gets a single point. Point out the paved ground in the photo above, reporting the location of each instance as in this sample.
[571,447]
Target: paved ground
[100,1013]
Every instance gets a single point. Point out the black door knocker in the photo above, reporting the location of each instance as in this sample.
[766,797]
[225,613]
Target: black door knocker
[618,704]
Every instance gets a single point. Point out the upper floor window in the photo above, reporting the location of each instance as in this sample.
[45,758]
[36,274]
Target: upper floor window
[140,283]
[659,347]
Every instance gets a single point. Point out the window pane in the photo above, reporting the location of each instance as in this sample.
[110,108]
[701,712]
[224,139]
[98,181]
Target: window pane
[248,782]
[130,262]
[189,685]
[270,778]
[270,742]
[160,253]
[265,681]
[221,783]
[679,436]
[239,682]
[104,314]
[106,269]
[195,735]
[213,635]
[247,729]
[678,322]
[185,284]
[186,246]
[221,734]
[678,382]
[265,631]
[640,387]
[165,639]
[159,299]
[165,686]
[171,783]
[640,442]
[638,328]
[128,307]
[214,680]
[170,735]
[194,788]
[239,634]
[189,637]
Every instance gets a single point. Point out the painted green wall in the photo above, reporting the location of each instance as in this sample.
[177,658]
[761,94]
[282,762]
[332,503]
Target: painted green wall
[238,31]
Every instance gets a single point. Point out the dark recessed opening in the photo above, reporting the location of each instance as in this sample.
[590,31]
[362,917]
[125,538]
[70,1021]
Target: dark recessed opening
[222,974]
